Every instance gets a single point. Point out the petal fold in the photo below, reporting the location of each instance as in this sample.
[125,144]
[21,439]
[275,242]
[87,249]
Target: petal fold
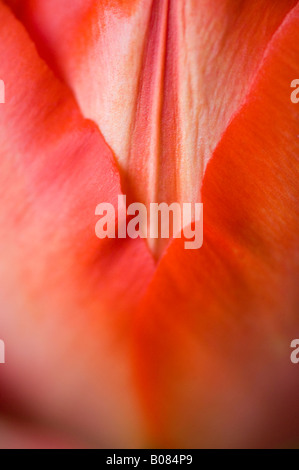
[162,79]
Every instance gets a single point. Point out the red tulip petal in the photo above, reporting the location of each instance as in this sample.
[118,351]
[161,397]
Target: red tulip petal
[65,296]
[162,78]
[214,334]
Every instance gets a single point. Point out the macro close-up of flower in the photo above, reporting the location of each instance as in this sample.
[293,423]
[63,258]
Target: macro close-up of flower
[131,340]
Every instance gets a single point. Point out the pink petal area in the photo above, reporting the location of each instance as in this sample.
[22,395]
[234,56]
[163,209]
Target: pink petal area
[66,298]
[217,323]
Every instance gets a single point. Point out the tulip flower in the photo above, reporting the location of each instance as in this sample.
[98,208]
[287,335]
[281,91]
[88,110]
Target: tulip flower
[131,342]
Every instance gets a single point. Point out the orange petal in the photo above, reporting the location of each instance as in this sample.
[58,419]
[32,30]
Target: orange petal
[213,337]
[162,79]
[66,298]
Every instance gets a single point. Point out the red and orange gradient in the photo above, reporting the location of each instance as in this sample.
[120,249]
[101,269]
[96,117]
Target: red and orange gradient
[128,343]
